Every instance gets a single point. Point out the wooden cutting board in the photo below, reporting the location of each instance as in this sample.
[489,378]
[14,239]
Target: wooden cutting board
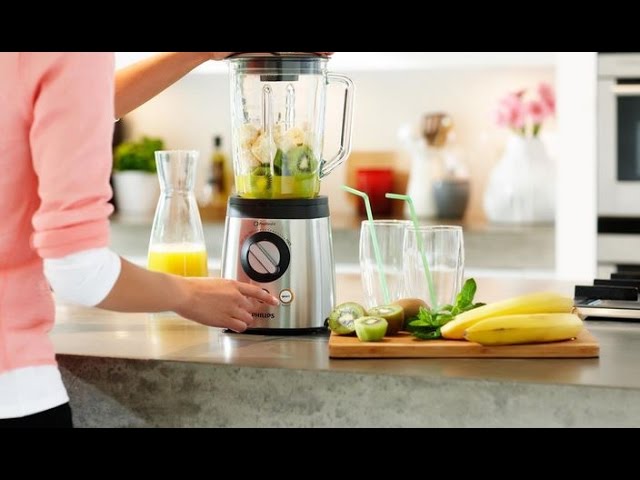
[405,346]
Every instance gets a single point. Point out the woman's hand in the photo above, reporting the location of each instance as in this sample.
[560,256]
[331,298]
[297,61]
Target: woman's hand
[218,55]
[216,302]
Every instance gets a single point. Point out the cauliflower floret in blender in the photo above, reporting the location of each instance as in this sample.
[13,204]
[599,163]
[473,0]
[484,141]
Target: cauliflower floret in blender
[247,135]
[247,160]
[294,137]
[264,148]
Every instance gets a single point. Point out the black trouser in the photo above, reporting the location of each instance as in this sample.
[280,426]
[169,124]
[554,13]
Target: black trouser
[59,417]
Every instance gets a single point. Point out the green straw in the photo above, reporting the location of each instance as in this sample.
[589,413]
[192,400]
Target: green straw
[374,239]
[416,226]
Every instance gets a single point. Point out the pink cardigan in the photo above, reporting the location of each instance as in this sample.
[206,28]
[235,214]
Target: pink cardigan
[56,127]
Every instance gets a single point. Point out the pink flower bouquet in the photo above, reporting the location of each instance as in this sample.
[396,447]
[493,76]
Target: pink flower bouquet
[522,114]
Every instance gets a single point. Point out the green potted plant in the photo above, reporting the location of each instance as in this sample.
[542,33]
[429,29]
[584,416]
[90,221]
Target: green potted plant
[135,181]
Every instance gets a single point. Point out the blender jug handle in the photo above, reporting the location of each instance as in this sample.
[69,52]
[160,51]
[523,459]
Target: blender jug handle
[347,116]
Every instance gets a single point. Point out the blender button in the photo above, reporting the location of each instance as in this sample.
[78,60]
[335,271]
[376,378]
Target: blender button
[286,296]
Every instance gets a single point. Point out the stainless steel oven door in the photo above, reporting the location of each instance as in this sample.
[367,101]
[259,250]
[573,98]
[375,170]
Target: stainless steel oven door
[618,248]
[619,147]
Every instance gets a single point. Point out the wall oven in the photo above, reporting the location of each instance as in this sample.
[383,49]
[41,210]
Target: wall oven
[619,159]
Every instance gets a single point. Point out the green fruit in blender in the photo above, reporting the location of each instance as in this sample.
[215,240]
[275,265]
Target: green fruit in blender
[341,320]
[393,314]
[261,182]
[301,161]
[411,306]
[371,329]
[277,163]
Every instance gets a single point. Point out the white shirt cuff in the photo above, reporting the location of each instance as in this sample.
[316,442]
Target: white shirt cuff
[83,278]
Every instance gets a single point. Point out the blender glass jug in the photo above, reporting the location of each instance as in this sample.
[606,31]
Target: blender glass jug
[177,241]
[277,114]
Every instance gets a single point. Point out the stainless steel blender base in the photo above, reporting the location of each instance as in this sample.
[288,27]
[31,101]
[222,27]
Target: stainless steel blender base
[286,248]
[285,332]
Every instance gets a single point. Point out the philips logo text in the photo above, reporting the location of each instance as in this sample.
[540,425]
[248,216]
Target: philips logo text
[270,316]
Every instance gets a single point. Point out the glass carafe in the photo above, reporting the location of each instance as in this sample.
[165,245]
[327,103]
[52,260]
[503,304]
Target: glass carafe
[177,241]
[278,119]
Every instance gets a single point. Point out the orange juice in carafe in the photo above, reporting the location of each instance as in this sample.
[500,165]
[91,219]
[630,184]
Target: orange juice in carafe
[177,240]
[187,260]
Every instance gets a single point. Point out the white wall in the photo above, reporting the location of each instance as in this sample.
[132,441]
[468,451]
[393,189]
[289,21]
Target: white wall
[188,114]
[576,224]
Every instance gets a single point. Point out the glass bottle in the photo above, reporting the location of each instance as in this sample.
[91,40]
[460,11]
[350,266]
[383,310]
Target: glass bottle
[218,172]
[177,240]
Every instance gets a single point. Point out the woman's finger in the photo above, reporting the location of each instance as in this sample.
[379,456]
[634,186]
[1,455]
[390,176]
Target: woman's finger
[258,293]
[236,325]
[243,316]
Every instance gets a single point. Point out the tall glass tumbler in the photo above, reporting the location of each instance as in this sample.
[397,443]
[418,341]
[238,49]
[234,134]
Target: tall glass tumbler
[444,251]
[390,235]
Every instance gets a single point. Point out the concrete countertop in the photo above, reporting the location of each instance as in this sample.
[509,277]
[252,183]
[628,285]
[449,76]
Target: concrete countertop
[160,370]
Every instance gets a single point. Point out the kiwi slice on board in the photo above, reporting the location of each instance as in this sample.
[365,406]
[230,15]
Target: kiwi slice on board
[342,318]
[371,329]
[393,314]
[301,161]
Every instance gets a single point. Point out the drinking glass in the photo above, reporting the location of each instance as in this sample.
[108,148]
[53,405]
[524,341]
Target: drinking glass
[444,252]
[390,234]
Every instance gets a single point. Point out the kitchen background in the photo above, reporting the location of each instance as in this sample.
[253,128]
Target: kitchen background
[394,89]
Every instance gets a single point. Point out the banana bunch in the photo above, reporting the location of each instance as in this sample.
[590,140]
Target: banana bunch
[520,329]
[534,318]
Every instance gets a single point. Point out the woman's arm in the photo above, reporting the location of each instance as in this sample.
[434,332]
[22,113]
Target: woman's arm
[214,302]
[140,82]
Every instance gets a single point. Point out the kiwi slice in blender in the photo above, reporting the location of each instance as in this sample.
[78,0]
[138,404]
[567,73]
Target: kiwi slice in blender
[371,329]
[393,314]
[278,163]
[342,318]
[301,161]
[261,182]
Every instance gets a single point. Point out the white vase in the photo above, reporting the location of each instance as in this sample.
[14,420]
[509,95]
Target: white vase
[521,188]
[419,187]
[421,175]
[136,194]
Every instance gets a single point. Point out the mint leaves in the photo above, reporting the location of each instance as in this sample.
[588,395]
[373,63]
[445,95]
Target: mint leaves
[464,300]
[427,325]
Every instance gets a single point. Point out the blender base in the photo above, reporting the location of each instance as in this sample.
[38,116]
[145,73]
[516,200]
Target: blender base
[283,332]
[284,247]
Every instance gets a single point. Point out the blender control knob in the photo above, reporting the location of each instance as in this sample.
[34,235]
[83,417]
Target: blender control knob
[265,257]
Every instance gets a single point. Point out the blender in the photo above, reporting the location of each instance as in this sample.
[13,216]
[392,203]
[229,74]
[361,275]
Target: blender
[277,228]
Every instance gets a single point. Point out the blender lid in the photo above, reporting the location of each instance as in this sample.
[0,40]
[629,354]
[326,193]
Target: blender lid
[279,66]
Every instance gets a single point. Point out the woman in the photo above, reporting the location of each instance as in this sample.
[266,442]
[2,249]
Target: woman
[56,126]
